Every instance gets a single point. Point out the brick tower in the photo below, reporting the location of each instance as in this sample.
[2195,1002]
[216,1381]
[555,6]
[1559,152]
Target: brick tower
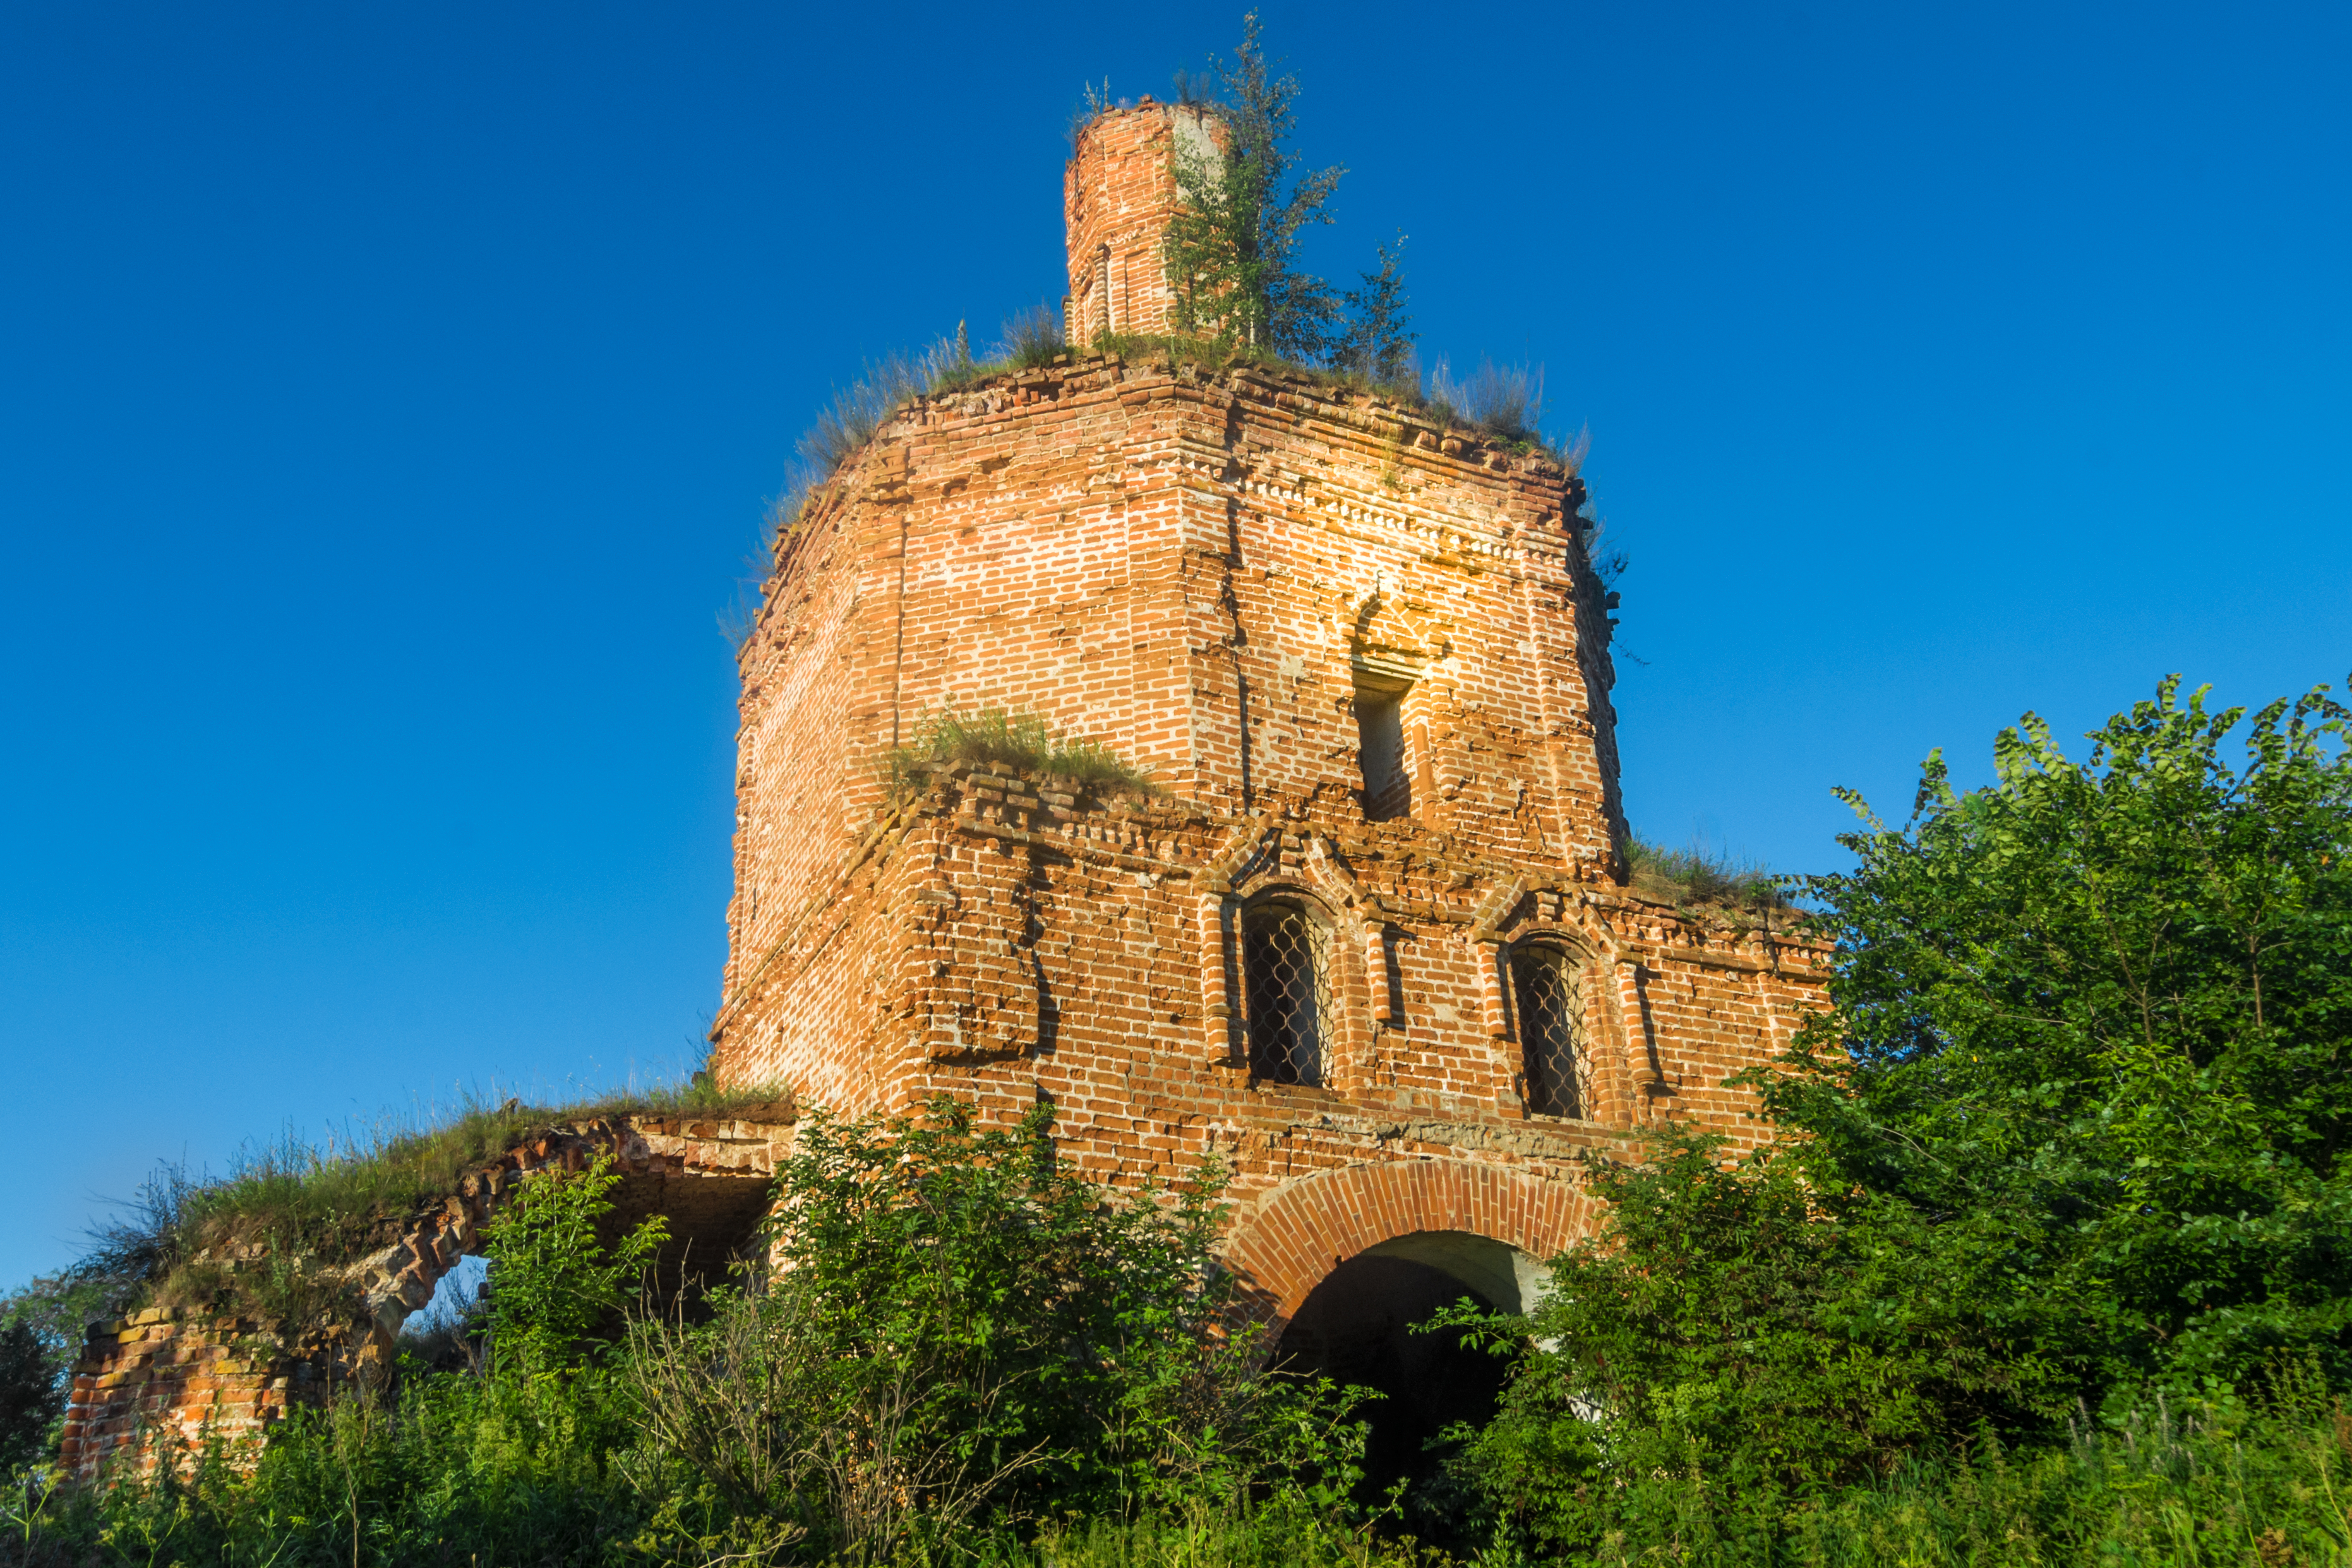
[1365,939]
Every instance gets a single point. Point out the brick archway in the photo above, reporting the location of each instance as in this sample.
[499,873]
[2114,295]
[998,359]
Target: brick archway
[1284,1245]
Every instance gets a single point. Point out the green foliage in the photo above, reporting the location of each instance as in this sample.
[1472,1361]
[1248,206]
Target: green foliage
[2072,1141]
[2197,1483]
[1022,743]
[958,1326]
[553,1282]
[1284,1532]
[1378,343]
[959,1343]
[41,1329]
[1232,247]
[31,1400]
[2090,1049]
[1724,1325]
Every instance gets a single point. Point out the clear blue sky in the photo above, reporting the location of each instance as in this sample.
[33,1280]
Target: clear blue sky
[389,402]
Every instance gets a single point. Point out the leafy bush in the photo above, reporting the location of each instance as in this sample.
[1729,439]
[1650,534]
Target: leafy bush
[2089,1045]
[2073,1141]
[956,1325]
[1726,1324]
[556,1282]
[959,1340]
[31,1400]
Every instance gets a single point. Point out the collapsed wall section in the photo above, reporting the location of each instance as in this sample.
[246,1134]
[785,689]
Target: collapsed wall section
[153,1387]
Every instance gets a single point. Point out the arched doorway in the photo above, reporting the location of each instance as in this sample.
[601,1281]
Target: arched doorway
[1345,1262]
[1357,1326]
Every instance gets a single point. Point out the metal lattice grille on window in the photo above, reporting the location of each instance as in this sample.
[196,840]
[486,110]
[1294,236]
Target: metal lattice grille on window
[1550,1015]
[1288,993]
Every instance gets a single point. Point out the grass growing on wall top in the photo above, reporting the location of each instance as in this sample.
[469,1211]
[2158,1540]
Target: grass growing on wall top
[313,1208]
[1700,875]
[1022,743]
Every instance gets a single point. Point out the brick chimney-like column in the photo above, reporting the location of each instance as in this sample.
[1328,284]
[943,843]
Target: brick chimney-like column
[1118,194]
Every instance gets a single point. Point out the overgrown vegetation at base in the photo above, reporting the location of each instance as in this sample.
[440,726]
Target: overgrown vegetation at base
[2061,1183]
[962,1345]
[1020,743]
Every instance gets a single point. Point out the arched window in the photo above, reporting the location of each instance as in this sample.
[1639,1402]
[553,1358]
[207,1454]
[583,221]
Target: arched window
[1548,1007]
[1288,992]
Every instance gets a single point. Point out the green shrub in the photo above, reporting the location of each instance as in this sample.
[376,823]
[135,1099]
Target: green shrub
[554,1280]
[960,1341]
[957,1327]
[2089,1050]
[2072,1144]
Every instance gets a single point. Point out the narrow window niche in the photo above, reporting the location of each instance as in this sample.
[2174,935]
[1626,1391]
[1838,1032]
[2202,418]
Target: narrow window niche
[1548,1004]
[1286,977]
[1380,754]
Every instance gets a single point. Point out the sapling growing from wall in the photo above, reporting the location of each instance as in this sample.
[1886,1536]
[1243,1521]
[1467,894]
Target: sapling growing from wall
[1232,248]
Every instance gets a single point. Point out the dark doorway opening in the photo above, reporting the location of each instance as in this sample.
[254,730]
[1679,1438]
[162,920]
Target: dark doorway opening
[1356,1327]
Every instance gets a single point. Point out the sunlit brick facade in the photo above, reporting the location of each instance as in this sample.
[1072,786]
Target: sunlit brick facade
[1366,667]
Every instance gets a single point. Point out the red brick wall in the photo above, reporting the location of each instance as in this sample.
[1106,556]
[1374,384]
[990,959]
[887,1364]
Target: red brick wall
[1197,569]
[1118,193]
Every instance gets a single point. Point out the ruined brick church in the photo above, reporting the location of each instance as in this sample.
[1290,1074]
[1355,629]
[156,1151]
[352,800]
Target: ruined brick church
[1366,940]
[1365,937]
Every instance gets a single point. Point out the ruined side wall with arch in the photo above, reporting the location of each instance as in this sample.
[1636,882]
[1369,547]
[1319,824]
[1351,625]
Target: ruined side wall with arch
[155,1387]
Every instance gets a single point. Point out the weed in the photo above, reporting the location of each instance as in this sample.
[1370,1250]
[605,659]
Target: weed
[1506,402]
[844,425]
[267,1239]
[1032,337]
[1021,742]
[1700,875]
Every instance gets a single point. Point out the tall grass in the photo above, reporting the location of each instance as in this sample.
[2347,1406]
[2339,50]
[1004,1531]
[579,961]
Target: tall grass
[1506,401]
[1022,743]
[1700,875]
[2221,1484]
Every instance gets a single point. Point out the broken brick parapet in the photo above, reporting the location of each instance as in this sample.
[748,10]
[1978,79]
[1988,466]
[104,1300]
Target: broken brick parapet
[164,1381]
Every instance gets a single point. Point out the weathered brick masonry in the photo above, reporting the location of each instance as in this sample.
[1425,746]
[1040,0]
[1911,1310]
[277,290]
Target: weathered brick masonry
[1259,590]
[1364,664]
[163,1382]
